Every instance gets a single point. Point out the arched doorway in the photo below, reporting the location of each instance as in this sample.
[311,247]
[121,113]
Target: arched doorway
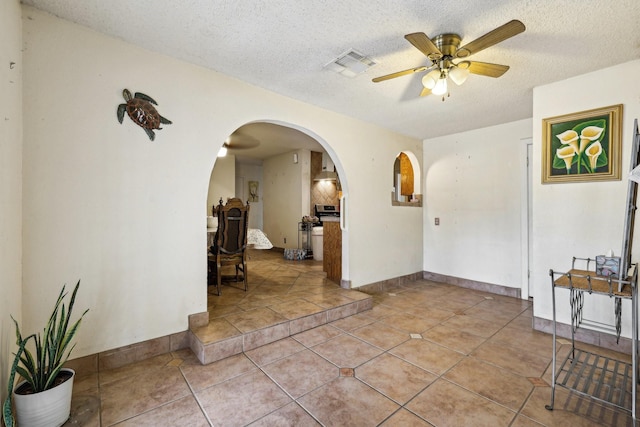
[285,192]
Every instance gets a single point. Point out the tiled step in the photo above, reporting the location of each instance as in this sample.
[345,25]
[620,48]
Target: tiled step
[243,331]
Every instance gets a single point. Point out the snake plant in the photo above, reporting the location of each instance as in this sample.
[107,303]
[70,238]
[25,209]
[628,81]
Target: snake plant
[41,367]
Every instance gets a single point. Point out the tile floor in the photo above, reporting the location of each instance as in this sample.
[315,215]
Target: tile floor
[426,354]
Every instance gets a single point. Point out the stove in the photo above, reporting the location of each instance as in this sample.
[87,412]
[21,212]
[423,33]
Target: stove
[327,213]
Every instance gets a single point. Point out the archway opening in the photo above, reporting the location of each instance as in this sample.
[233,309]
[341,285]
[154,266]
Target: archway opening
[278,175]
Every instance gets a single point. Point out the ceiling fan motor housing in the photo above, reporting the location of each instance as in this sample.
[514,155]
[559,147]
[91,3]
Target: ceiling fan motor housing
[448,44]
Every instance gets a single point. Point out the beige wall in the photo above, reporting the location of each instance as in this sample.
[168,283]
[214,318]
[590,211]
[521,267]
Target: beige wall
[104,204]
[286,189]
[582,219]
[10,181]
[473,185]
[246,172]
[222,183]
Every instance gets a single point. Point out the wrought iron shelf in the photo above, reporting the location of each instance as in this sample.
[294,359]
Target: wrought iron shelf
[601,378]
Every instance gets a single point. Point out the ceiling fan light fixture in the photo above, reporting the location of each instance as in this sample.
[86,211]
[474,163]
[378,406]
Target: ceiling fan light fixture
[430,79]
[441,85]
[459,73]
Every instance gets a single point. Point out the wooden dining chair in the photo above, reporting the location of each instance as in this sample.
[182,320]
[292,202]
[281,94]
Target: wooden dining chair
[230,243]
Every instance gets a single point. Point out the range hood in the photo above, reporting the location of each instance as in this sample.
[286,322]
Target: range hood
[328,170]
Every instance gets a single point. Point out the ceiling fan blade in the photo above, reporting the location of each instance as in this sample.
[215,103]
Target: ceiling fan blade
[425,92]
[487,69]
[399,74]
[424,44]
[237,141]
[501,33]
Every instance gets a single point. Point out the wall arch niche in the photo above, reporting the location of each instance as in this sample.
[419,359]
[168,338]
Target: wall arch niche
[407,190]
[284,165]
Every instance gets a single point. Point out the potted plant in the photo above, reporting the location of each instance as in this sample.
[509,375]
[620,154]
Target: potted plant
[44,397]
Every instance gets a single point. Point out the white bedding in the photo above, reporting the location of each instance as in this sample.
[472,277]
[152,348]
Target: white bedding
[256,239]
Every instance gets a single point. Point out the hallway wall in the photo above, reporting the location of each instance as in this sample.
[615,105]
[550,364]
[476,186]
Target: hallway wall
[473,185]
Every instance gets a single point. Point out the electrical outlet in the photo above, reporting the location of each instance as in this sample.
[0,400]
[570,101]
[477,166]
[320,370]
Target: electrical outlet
[437,221]
[285,240]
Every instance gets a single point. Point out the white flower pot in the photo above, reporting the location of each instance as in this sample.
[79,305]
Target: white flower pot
[49,408]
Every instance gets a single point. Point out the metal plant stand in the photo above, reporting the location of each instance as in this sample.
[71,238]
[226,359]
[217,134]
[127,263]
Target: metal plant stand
[588,374]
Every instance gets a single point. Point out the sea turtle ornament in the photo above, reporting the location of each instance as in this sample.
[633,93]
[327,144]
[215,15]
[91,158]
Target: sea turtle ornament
[140,108]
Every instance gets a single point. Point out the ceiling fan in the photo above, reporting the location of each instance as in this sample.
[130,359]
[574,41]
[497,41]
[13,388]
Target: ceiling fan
[445,48]
[238,141]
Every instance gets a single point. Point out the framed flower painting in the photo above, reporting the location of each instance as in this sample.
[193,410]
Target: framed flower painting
[582,146]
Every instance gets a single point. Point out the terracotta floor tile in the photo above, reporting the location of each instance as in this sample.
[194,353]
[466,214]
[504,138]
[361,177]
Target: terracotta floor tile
[409,323]
[317,335]
[85,408]
[290,415]
[495,316]
[444,404]
[242,400]
[301,372]
[428,312]
[347,402]
[135,395]
[535,341]
[473,325]
[296,308]
[451,304]
[380,311]
[515,359]
[252,320]
[381,335]
[427,355]
[496,384]
[217,330]
[352,322]
[523,321]
[274,351]
[405,418]
[522,421]
[397,301]
[453,338]
[133,369]
[185,412]
[329,299]
[346,351]
[201,376]
[394,378]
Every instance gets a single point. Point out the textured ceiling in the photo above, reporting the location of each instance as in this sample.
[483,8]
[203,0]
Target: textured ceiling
[282,45]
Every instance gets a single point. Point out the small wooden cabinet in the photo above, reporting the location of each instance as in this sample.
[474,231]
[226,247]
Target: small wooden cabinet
[332,251]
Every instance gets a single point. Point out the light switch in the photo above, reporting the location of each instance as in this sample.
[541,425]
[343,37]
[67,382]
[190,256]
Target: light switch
[437,221]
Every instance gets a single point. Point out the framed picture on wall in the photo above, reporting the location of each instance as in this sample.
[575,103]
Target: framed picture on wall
[581,147]
[253,192]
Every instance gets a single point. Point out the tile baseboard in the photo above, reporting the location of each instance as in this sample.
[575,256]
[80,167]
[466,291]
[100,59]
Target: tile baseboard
[584,335]
[473,284]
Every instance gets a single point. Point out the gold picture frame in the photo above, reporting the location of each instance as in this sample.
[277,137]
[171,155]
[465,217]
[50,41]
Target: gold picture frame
[582,147]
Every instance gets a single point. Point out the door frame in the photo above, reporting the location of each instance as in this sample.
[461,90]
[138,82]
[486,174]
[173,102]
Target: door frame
[526,201]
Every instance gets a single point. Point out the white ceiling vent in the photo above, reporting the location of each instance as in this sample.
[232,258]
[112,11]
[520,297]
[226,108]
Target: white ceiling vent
[351,63]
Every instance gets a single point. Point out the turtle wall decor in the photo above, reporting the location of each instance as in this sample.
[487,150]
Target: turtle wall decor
[141,110]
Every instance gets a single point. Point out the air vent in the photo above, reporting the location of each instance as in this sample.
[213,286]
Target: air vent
[350,63]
